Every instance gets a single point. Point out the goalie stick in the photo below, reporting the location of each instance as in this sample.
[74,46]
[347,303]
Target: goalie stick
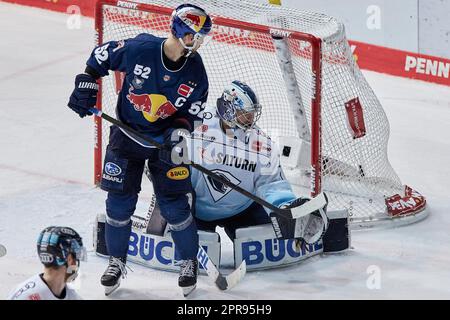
[2,250]
[222,282]
[312,205]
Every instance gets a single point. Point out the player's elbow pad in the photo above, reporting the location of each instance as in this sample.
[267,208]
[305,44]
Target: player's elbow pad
[92,72]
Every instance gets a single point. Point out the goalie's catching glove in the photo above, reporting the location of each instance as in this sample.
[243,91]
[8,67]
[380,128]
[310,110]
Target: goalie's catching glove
[309,228]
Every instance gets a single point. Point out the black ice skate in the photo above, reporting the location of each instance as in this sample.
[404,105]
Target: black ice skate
[188,276]
[113,273]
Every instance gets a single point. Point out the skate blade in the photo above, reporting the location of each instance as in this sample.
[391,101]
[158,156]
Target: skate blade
[188,290]
[109,290]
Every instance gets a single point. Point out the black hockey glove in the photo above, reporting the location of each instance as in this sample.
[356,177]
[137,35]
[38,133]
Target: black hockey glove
[84,96]
[309,228]
[284,227]
[174,150]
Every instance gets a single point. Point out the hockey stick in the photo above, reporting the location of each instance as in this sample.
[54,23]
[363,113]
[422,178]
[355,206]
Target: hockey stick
[157,226]
[314,204]
[2,250]
[222,282]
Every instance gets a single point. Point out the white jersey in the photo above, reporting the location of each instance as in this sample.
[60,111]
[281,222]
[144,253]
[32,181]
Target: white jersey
[36,289]
[250,160]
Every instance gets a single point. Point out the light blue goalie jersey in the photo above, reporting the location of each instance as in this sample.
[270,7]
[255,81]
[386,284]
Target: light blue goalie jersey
[250,160]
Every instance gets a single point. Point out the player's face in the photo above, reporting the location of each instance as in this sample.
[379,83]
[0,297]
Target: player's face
[72,268]
[245,118]
[193,41]
[188,39]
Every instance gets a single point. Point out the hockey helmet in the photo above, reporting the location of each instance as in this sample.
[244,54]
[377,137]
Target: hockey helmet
[55,244]
[190,19]
[239,106]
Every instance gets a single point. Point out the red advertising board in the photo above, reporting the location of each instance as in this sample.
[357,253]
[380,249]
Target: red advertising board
[369,57]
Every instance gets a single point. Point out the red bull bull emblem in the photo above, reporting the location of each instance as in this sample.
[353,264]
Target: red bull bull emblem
[152,106]
[194,21]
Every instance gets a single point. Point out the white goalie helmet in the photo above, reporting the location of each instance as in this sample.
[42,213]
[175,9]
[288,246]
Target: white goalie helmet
[238,106]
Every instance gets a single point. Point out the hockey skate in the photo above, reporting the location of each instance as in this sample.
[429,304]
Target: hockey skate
[188,276]
[113,273]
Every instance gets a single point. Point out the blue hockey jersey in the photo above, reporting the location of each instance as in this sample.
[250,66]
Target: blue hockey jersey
[152,96]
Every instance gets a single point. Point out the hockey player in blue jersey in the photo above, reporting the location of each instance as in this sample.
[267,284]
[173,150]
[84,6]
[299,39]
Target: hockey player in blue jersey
[164,89]
[232,146]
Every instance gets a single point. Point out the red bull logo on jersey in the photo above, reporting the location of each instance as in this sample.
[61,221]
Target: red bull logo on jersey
[152,106]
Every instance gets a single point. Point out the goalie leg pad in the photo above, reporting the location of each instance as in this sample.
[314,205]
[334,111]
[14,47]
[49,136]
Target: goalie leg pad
[154,251]
[284,228]
[337,236]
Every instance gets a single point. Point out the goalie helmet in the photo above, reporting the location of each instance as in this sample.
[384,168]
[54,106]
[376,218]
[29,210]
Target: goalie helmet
[239,106]
[190,19]
[55,244]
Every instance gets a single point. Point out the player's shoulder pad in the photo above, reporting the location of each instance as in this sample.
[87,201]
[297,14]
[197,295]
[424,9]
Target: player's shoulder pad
[145,39]
[196,62]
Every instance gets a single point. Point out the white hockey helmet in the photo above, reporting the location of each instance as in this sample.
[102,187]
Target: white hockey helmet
[239,106]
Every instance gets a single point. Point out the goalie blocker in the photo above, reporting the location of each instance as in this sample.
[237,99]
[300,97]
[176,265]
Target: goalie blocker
[257,245]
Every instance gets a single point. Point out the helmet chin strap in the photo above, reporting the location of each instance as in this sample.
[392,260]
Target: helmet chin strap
[187,53]
[190,50]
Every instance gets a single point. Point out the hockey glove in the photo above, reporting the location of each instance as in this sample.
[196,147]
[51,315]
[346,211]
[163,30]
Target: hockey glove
[84,96]
[174,149]
[310,228]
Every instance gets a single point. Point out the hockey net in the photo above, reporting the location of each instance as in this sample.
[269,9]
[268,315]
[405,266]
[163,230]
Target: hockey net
[312,92]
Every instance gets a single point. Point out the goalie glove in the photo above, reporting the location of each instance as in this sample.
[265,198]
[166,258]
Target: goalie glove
[309,228]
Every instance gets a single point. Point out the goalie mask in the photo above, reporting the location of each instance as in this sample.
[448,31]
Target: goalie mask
[55,244]
[239,106]
[190,19]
